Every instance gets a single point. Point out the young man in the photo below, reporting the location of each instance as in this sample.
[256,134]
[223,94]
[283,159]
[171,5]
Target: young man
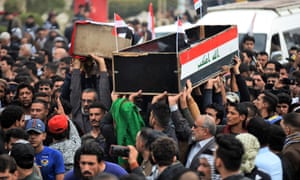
[91,162]
[45,85]
[11,117]
[267,102]
[164,150]
[228,157]
[39,110]
[159,119]
[13,135]
[284,102]
[6,67]
[236,119]
[248,43]
[49,160]
[8,168]
[25,95]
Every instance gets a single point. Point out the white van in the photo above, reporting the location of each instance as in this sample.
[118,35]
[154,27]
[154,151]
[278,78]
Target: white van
[269,21]
[167,29]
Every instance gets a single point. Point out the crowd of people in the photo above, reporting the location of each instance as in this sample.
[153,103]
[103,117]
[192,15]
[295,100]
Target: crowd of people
[60,118]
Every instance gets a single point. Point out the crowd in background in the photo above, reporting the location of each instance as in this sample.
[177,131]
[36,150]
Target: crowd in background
[60,117]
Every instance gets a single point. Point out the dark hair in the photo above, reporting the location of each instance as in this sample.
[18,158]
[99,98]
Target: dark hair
[248,53]
[276,63]
[25,161]
[92,148]
[66,60]
[161,113]
[132,177]
[7,163]
[40,59]
[242,110]
[91,90]
[57,78]
[60,136]
[98,105]
[10,115]
[252,109]
[219,109]
[8,60]
[248,38]
[258,127]
[292,119]
[30,65]
[52,67]
[44,82]
[22,86]
[263,53]
[17,133]
[40,94]
[163,150]
[149,135]
[23,77]
[272,101]
[276,137]
[41,101]
[272,75]
[230,150]
[284,98]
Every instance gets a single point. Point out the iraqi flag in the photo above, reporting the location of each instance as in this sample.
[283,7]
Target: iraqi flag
[198,6]
[151,24]
[120,28]
[180,27]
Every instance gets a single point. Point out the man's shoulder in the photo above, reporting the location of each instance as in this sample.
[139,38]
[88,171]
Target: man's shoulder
[50,151]
[114,169]
[33,176]
[293,148]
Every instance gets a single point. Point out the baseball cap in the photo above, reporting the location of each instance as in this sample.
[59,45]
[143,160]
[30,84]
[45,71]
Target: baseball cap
[58,124]
[232,97]
[36,125]
[22,151]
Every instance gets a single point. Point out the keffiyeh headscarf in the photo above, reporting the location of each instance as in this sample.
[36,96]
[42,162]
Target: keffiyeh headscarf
[210,160]
[251,147]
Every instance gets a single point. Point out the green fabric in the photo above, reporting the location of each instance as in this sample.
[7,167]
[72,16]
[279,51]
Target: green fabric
[128,121]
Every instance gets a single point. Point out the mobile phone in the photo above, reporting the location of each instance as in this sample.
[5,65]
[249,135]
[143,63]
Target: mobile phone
[117,150]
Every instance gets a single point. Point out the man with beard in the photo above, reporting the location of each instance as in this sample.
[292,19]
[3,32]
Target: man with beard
[203,132]
[82,97]
[96,113]
[91,162]
[25,94]
[206,168]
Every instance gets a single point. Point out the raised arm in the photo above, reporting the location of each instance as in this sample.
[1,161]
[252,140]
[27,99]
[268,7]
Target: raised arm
[103,86]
